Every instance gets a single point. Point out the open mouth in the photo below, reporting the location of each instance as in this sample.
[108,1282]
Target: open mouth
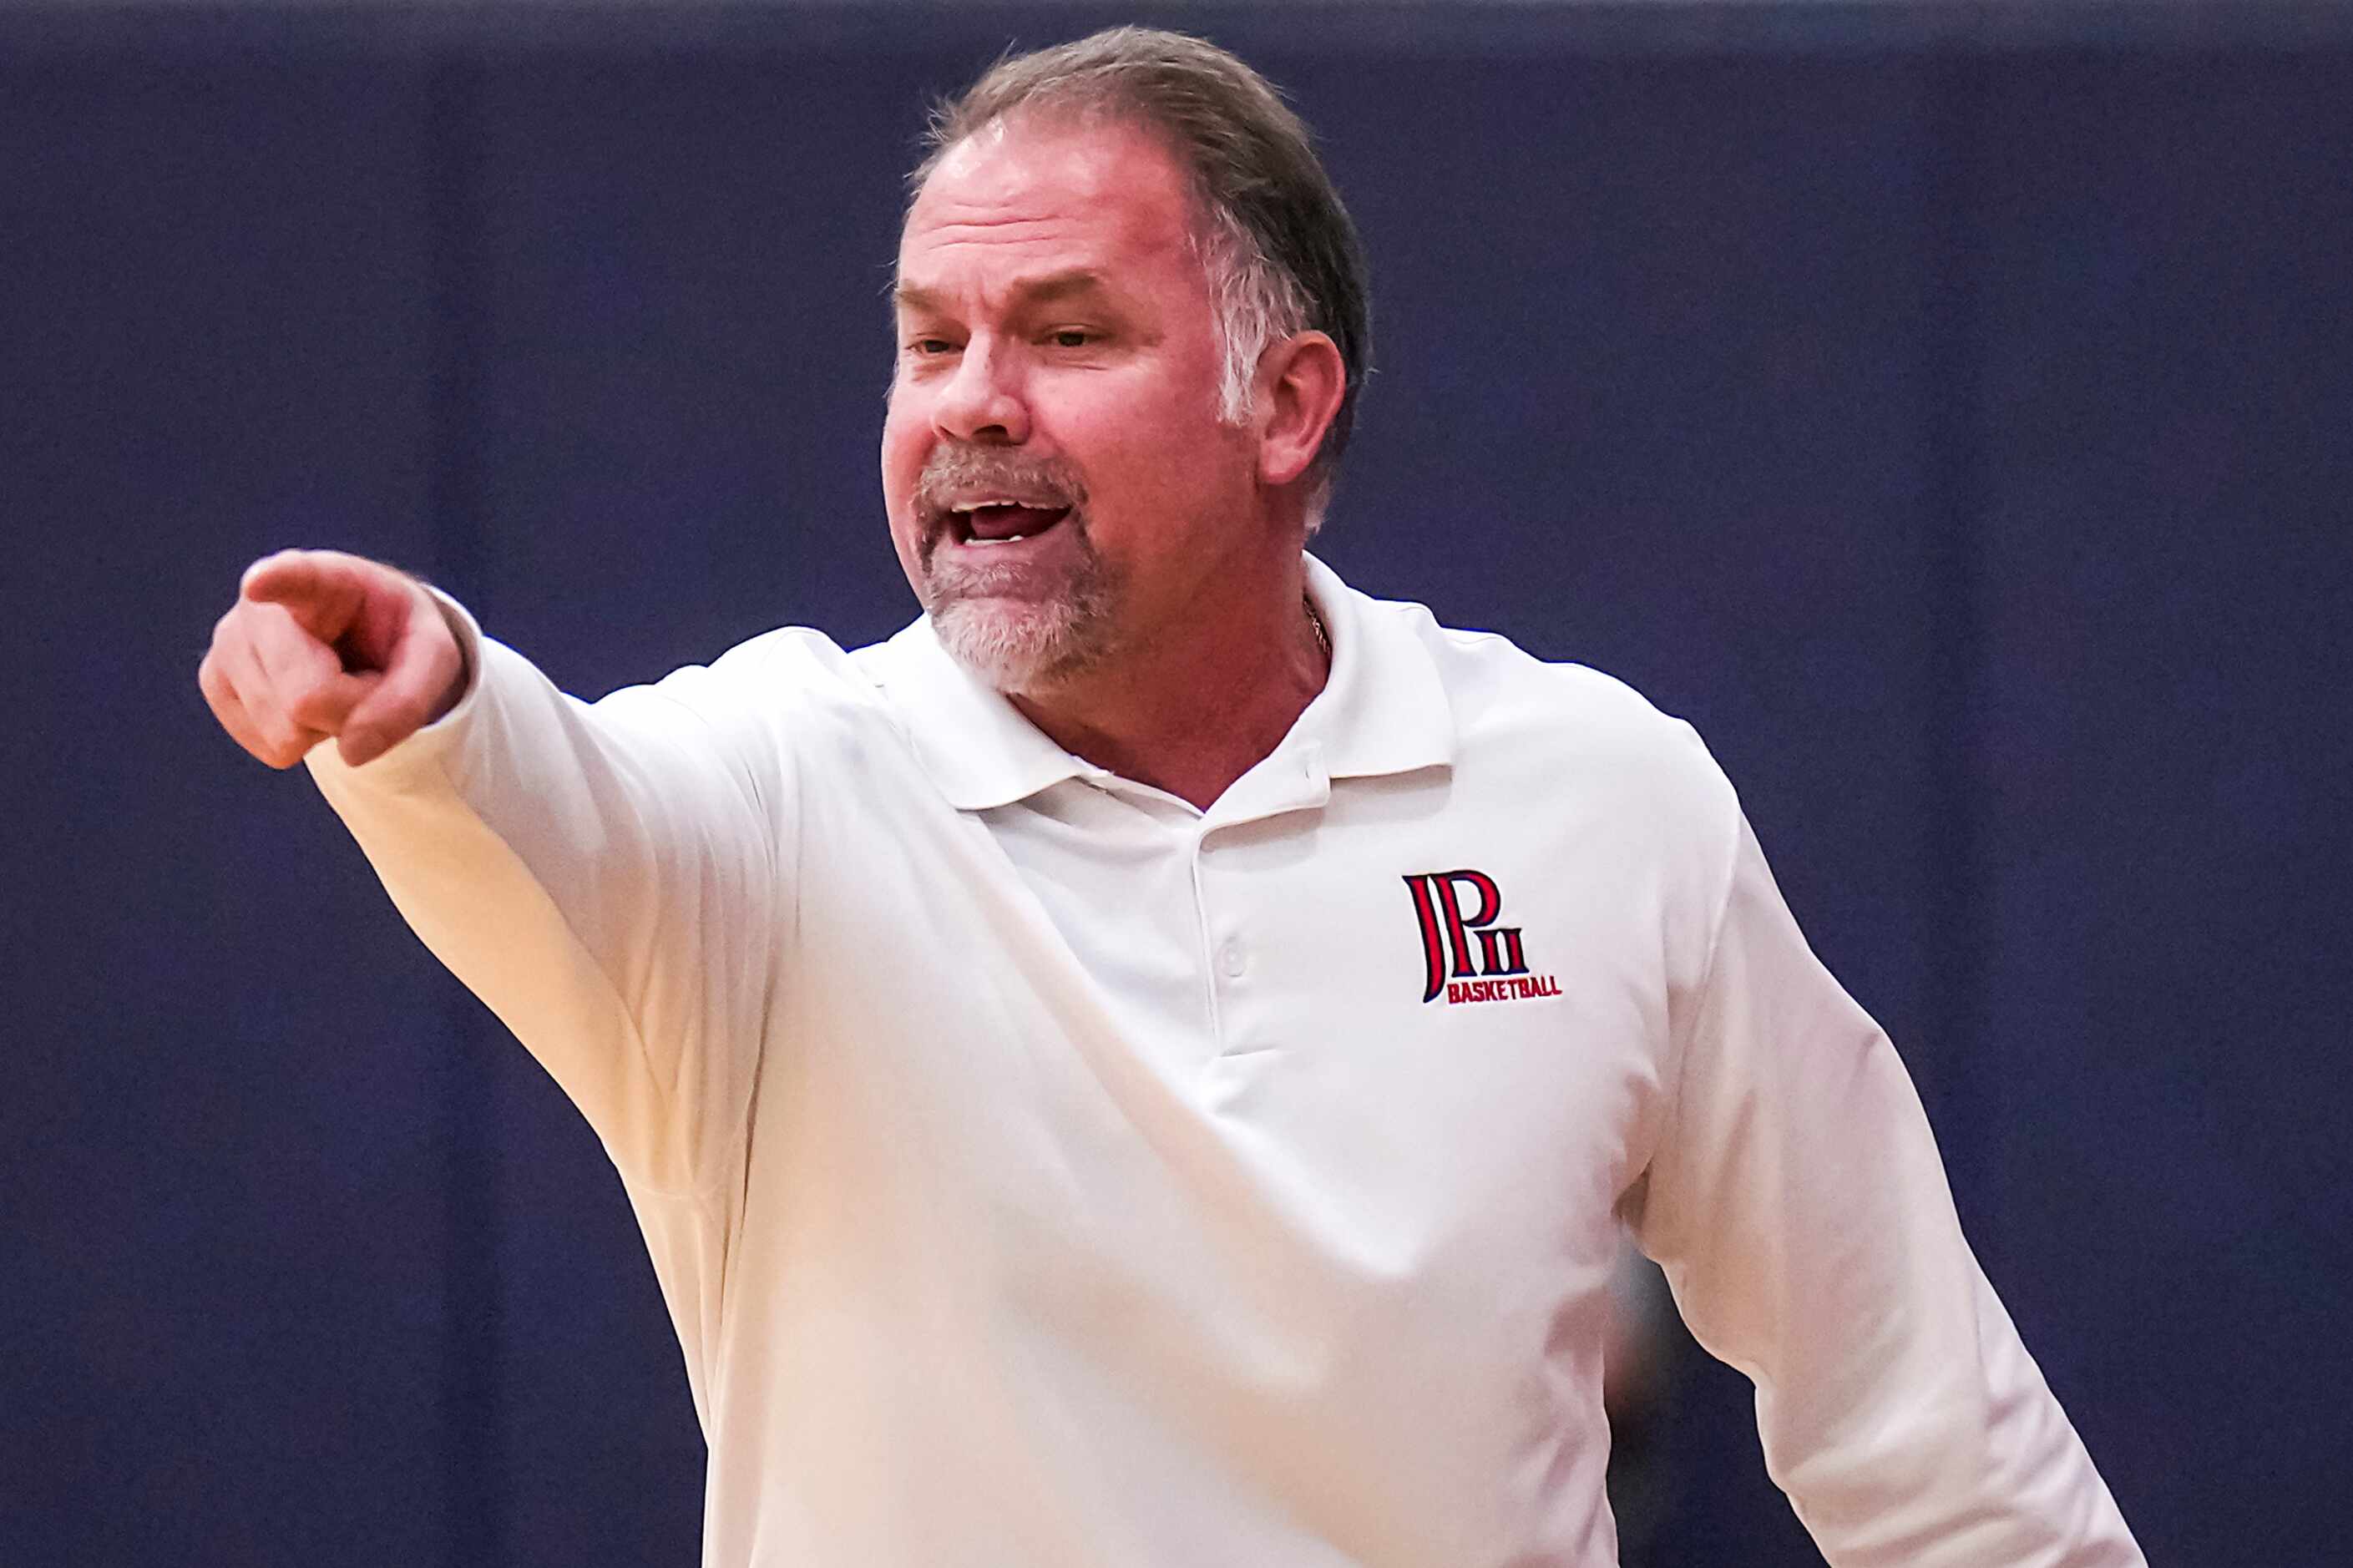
[1001,521]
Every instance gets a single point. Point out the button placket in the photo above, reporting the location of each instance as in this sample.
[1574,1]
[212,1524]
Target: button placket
[1209,949]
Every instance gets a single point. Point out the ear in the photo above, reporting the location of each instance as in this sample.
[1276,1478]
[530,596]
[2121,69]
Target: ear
[1300,384]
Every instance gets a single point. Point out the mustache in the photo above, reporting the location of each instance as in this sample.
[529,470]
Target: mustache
[957,472]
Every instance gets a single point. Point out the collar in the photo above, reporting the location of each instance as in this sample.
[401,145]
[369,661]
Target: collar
[1384,708]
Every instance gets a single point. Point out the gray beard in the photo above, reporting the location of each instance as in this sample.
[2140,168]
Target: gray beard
[1016,646]
[1022,646]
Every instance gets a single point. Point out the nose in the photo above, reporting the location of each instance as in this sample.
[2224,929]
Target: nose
[982,402]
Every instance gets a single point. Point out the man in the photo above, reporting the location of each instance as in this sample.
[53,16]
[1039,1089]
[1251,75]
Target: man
[1148,1066]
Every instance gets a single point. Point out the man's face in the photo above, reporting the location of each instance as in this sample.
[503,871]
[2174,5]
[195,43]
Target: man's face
[1059,483]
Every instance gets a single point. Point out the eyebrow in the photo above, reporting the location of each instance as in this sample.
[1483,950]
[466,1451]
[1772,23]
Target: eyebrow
[1045,290]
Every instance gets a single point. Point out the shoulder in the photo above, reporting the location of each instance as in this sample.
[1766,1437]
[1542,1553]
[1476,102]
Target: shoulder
[1506,702]
[1609,814]
[1565,738]
[786,683]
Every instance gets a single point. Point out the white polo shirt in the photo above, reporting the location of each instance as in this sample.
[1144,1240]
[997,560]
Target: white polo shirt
[1044,1173]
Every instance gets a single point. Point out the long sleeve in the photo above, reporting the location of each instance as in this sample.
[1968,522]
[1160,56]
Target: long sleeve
[604,877]
[1798,1206]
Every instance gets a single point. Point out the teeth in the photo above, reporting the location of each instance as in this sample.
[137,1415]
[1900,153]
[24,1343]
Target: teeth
[1009,539]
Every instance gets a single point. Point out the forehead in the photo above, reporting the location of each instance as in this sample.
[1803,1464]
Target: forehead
[1018,196]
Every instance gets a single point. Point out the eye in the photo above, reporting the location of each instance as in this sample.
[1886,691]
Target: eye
[1071,338]
[929,346]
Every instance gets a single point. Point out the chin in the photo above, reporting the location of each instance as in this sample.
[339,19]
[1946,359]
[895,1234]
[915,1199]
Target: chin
[1020,648]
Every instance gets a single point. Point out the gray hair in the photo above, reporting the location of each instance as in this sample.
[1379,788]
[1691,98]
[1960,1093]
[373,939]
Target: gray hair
[1279,249]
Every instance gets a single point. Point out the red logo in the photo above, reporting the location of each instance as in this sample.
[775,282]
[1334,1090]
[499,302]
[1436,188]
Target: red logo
[1489,963]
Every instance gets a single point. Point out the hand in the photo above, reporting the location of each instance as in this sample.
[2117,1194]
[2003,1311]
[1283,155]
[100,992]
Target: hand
[319,644]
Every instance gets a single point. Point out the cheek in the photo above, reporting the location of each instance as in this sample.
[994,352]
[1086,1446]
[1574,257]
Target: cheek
[907,439]
[900,459]
[1161,438]
[1191,468]
[904,450]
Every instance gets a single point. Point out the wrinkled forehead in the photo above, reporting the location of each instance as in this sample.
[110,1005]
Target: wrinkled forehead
[1023,173]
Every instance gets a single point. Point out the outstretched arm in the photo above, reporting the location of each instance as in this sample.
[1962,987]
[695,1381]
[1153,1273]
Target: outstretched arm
[605,876]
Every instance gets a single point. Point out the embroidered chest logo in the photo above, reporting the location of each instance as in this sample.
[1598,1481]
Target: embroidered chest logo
[1468,957]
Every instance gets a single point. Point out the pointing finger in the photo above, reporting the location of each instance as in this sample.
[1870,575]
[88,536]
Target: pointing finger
[323,590]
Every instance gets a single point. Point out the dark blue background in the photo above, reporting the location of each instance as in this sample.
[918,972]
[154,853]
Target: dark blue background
[1946,409]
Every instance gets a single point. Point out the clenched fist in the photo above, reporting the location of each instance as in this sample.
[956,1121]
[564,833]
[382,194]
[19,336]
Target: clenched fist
[319,644]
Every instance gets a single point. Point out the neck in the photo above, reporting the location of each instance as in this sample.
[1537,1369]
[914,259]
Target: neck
[1191,713]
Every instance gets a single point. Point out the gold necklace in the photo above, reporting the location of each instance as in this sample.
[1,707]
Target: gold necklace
[1315,624]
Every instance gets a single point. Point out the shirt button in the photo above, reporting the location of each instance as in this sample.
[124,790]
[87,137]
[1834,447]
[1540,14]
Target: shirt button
[1229,959]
